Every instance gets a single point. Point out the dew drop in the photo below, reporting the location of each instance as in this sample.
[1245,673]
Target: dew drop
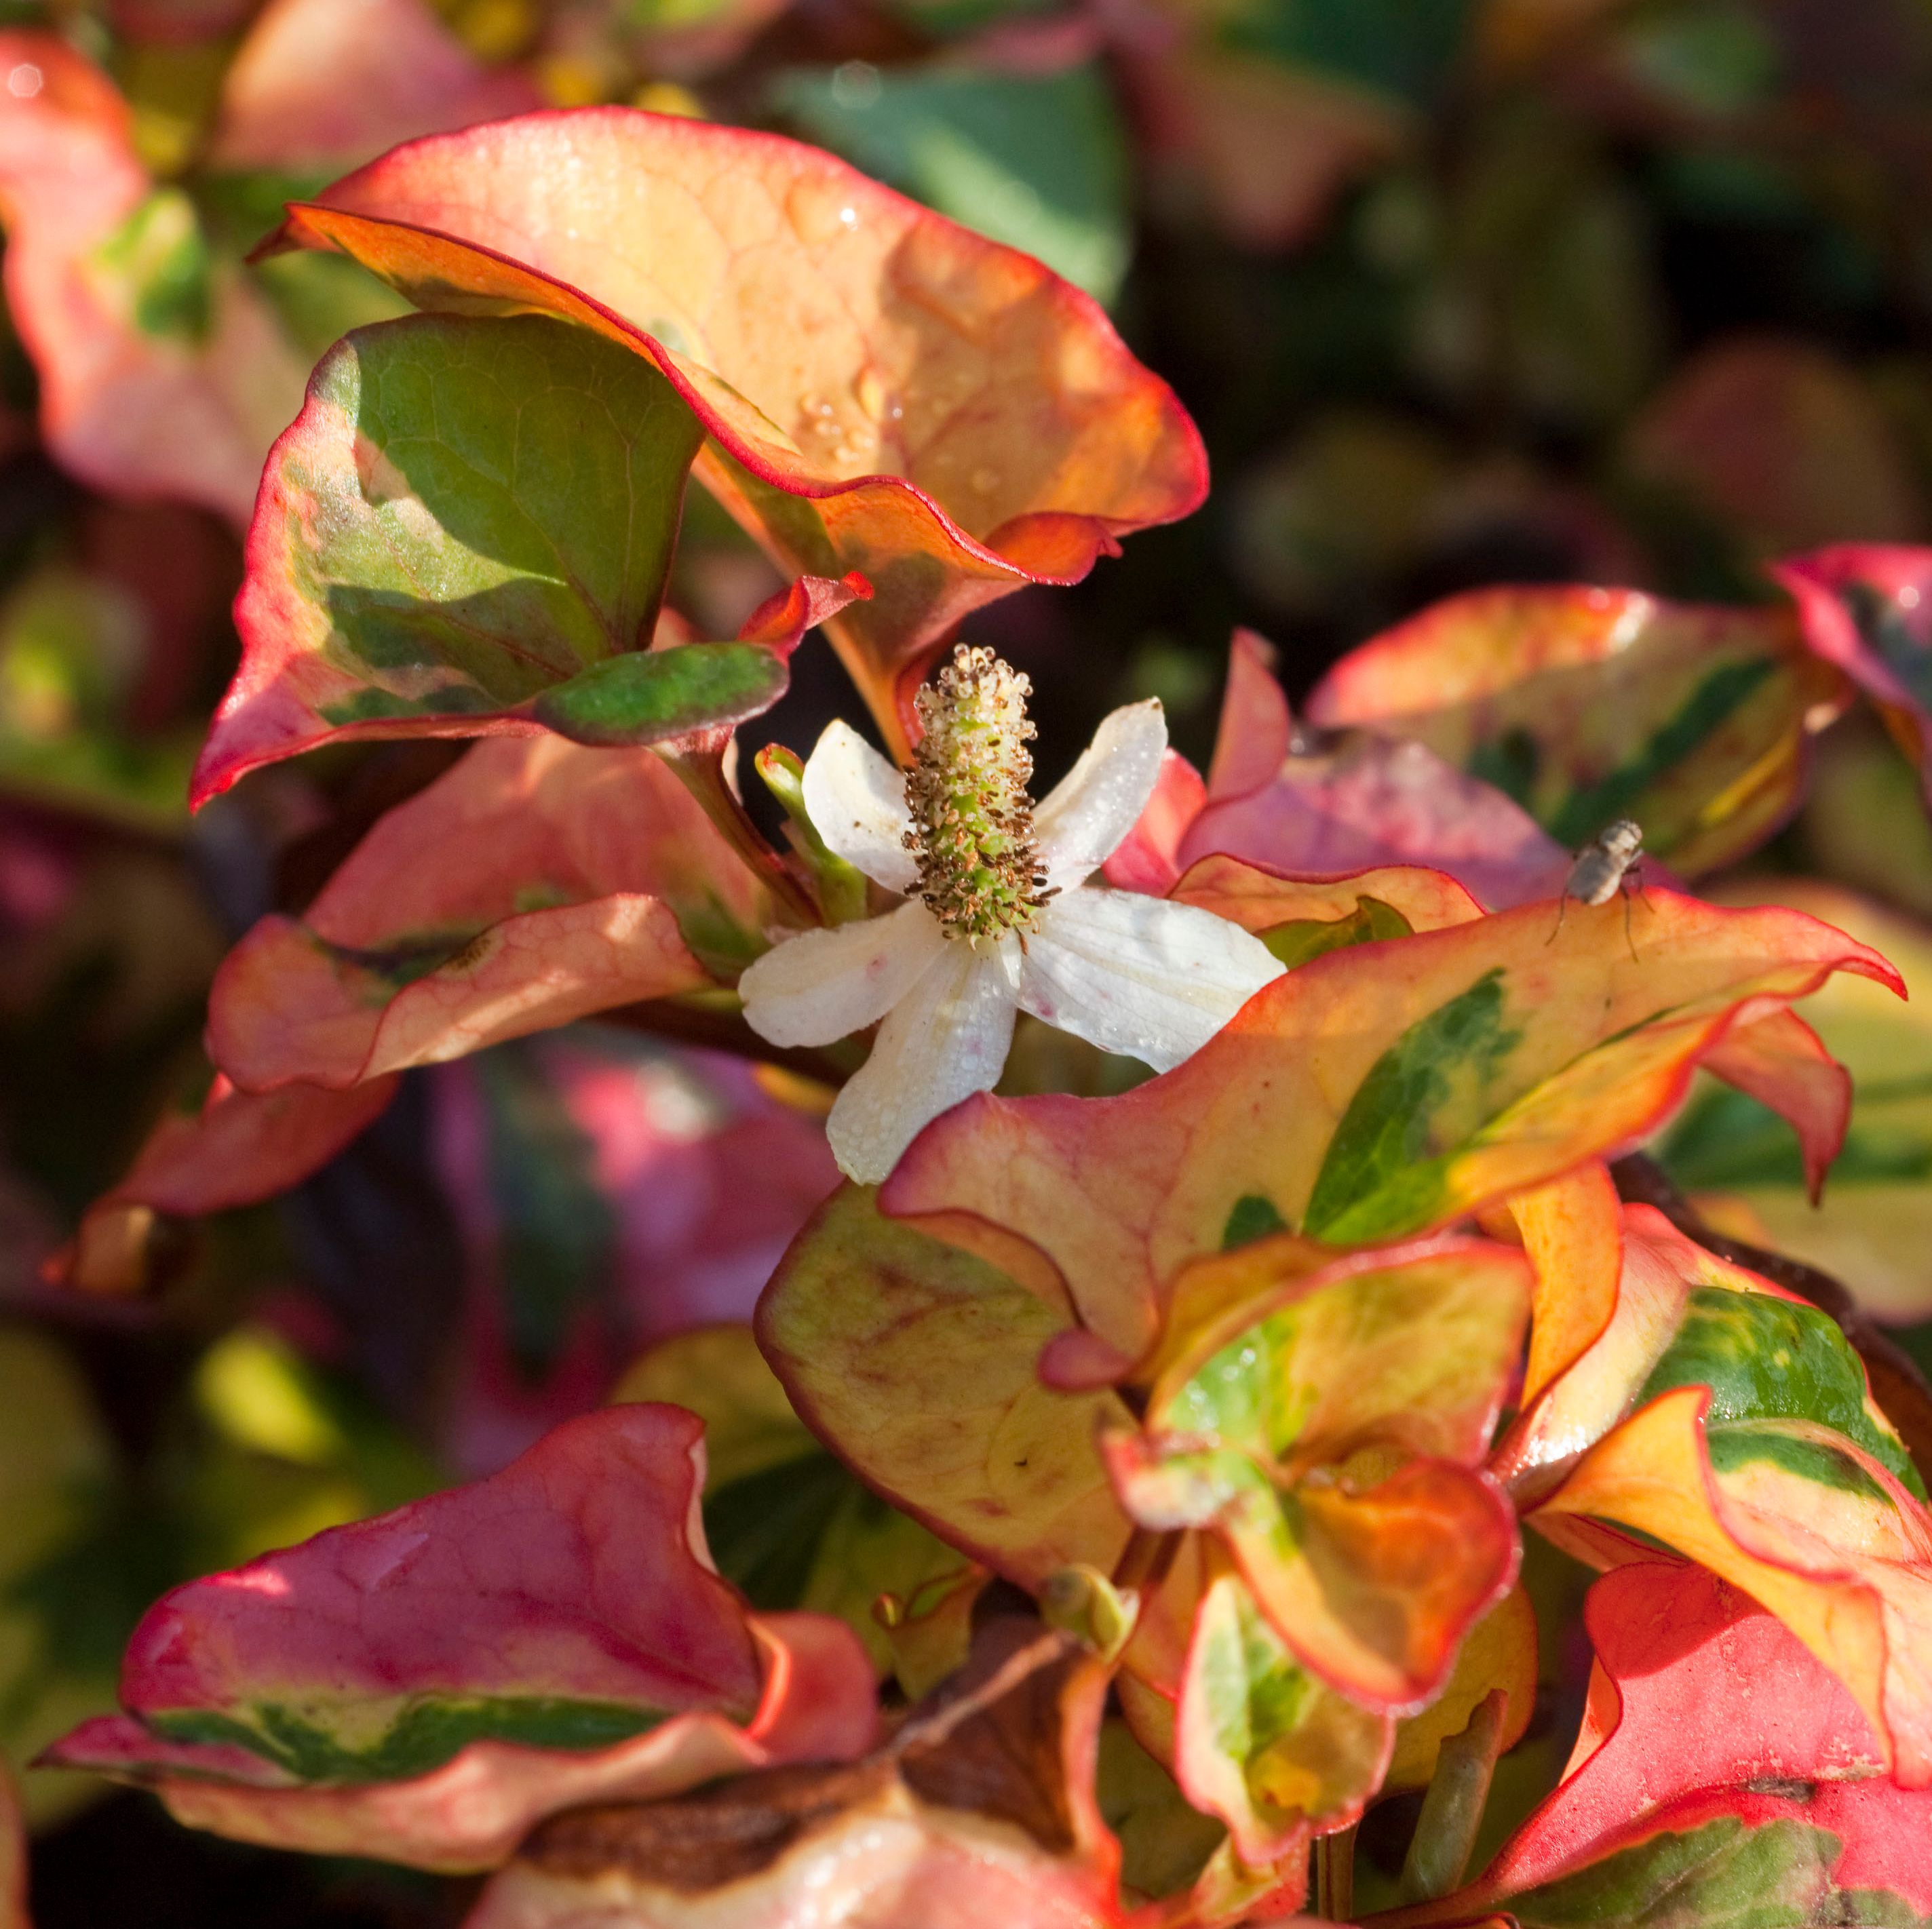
[985,481]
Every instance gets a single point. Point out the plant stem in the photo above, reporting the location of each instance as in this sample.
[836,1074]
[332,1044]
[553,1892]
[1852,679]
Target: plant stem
[702,773]
[1335,1875]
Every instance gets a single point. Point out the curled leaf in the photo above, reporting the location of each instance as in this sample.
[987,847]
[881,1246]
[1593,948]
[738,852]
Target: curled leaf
[1752,1445]
[424,1686]
[1720,1769]
[881,391]
[465,532]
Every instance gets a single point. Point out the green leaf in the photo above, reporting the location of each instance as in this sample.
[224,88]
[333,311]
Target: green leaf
[649,696]
[1377,1174]
[469,514]
[1038,161]
[1723,1876]
[1768,1360]
[1296,942]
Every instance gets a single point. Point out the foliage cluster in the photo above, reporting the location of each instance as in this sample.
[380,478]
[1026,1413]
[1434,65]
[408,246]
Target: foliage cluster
[609,1324]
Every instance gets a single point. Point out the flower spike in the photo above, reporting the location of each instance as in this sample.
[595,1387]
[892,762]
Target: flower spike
[961,841]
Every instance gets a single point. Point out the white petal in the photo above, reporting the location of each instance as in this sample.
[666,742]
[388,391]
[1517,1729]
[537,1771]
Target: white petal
[946,1039]
[856,802]
[1095,804]
[825,985]
[1138,975]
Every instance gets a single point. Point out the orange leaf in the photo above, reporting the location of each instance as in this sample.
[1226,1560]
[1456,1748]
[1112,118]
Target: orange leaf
[883,390]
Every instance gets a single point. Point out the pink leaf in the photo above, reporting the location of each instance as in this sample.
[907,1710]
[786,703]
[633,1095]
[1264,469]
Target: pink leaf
[240,1148]
[608,842]
[134,406]
[323,83]
[424,1686]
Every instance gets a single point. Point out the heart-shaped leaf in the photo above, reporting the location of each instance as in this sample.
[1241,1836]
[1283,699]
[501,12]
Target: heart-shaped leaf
[916,1362]
[1369,1095]
[424,1686]
[882,391]
[467,515]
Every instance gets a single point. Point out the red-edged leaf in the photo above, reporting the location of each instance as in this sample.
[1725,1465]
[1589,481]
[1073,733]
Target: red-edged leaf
[980,1810]
[1782,1063]
[1731,1422]
[465,532]
[240,1148]
[1868,608]
[1321,803]
[883,391]
[1589,705]
[1287,1422]
[319,84]
[1300,918]
[424,1686]
[426,943]
[162,372]
[1720,1769]
[1259,1742]
[1366,1096]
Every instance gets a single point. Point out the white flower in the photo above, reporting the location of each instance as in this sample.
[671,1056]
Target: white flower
[999,916]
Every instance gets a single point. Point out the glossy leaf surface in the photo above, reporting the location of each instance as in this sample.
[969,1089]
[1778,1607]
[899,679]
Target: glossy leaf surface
[1327,1433]
[882,391]
[470,523]
[1261,1743]
[425,1685]
[1752,1445]
[1721,1773]
[1366,1096]
[1589,705]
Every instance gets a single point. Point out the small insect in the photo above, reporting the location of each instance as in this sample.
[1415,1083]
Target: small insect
[1612,862]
